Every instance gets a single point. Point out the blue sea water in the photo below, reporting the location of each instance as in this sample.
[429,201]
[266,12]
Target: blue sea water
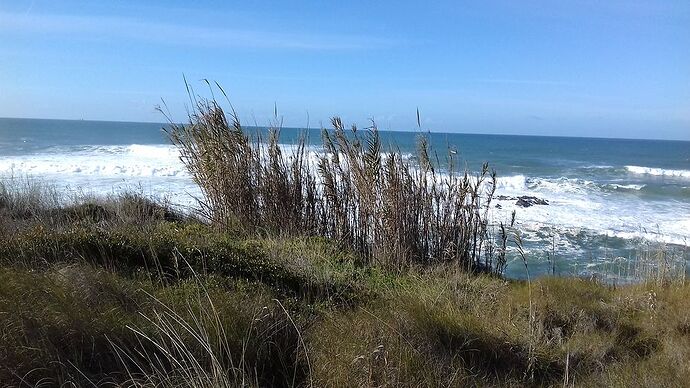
[607,197]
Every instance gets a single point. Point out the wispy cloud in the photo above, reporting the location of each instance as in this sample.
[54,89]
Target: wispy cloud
[181,34]
[519,81]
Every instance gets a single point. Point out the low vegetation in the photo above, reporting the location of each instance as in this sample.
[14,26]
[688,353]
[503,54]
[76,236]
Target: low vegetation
[125,292]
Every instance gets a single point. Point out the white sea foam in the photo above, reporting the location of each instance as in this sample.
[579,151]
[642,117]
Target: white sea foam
[519,184]
[154,170]
[90,167]
[577,205]
[561,185]
[597,167]
[513,183]
[135,161]
[635,187]
[658,171]
[153,151]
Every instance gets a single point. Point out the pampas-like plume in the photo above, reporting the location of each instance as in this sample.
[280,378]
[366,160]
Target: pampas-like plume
[391,211]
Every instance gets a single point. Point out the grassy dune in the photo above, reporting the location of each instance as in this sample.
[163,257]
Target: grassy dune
[124,292]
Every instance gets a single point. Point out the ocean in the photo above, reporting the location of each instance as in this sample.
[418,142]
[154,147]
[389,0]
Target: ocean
[609,200]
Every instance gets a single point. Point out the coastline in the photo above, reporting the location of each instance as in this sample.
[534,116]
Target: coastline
[340,266]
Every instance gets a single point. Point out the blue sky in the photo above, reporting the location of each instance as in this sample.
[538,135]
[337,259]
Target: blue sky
[568,68]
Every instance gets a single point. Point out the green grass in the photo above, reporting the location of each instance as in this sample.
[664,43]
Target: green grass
[63,323]
[120,292]
[83,325]
[455,330]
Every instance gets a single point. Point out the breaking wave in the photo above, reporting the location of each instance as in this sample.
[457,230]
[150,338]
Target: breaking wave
[658,171]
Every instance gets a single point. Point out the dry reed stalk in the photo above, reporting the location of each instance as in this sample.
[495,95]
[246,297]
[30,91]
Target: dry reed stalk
[389,210]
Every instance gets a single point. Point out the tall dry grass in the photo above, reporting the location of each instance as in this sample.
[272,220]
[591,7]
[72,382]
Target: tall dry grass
[391,210]
[27,198]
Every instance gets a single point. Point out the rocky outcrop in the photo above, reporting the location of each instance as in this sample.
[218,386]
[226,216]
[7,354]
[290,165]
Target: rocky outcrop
[523,200]
[527,201]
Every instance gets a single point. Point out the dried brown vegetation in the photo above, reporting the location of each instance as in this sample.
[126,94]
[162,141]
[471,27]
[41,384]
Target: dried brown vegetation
[391,210]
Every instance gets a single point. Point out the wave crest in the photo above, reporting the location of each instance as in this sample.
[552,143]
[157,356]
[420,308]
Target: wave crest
[106,161]
[635,187]
[641,170]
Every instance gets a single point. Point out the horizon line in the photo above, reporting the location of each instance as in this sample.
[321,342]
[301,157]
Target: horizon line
[380,130]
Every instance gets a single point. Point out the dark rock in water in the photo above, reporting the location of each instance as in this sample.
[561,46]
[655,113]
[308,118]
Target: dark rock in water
[498,206]
[527,201]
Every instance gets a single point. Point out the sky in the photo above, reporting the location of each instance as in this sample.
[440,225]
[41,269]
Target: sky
[563,68]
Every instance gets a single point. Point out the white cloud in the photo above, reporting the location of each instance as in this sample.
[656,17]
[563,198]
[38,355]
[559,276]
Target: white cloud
[180,34]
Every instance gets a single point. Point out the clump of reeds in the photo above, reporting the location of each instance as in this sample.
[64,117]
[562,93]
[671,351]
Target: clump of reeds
[392,210]
[27,198]
[657,263]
